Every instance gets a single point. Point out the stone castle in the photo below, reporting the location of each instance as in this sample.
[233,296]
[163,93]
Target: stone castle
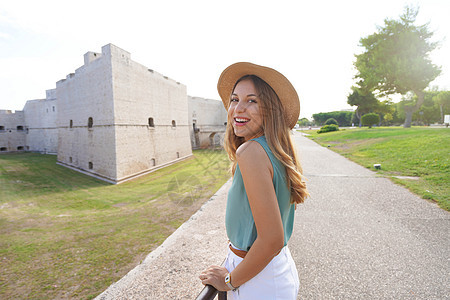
[114,119]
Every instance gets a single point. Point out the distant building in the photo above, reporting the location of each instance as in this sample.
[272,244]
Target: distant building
[208,119]
[12,131]
[114,119]
[118,119]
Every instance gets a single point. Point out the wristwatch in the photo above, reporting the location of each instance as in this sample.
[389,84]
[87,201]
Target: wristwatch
[228,282]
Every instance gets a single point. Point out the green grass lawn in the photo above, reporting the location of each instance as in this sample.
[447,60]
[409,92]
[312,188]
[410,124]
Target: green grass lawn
[67,235]
[420,153]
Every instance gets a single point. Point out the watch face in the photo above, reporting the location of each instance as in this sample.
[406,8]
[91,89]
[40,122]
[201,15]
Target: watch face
[227,279]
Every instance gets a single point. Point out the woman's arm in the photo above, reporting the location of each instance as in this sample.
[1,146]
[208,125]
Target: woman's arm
[257,173]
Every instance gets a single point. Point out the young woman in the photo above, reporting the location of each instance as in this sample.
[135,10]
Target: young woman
[267,184]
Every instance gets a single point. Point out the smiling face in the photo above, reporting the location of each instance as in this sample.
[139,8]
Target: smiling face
[244,111]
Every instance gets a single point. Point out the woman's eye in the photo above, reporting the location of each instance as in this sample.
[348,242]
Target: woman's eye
[252,100]
[234,100]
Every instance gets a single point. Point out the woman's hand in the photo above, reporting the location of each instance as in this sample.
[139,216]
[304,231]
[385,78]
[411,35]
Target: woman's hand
[215,276]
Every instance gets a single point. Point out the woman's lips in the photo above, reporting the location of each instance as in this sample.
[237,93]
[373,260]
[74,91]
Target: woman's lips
[241,121]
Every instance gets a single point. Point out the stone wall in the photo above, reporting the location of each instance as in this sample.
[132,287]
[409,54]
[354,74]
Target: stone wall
[139,117]
[40,119]
[207,120]
[115,119]
[12,131]
[151,116]
[86,138]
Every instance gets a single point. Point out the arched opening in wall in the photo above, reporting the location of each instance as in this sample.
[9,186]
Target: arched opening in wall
[174,124]
[91,165]
[71,124]
[20,148]
[153,162]
[53,108]
[19,128]
[151,123]
[90,122]
[70,159]
[3,148]
[178,154]
[194,127]
[211,139]
[217,140]
[2,128]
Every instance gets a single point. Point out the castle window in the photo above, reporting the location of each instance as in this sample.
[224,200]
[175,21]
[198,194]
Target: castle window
[90,122]
[178,154]
[151,123]
[174,124]
[20,128]
[71,124]
[53,108]
[153,162]
[70,159]
[20,148]
[3,149]
[91,165]
[2,128]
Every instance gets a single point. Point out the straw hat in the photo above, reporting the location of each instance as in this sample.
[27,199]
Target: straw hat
[280,84]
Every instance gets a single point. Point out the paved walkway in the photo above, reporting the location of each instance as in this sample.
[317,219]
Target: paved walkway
[359,236]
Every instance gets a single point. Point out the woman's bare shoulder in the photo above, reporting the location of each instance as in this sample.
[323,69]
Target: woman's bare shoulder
[249,148]
[252,152]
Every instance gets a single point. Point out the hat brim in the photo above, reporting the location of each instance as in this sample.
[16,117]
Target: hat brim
[279,83]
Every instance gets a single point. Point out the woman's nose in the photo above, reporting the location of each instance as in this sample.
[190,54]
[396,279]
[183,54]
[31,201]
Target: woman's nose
[240,106]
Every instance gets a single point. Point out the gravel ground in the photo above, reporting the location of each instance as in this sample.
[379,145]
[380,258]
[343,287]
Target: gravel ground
[358,236]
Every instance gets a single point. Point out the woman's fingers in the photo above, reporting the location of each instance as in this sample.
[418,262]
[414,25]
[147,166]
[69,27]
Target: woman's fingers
[214,276]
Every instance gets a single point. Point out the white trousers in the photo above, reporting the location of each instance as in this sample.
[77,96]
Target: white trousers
[277,281]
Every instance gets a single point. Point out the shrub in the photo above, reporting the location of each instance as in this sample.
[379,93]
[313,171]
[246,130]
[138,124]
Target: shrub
[328,128]
[331,121]
[370,119]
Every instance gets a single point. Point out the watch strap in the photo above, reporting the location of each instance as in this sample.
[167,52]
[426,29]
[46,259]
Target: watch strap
[228,282]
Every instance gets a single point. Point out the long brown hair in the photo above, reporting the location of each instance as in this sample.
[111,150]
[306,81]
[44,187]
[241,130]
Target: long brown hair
[278,138]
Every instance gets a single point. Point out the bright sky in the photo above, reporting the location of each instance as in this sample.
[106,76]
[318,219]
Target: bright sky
[311,42]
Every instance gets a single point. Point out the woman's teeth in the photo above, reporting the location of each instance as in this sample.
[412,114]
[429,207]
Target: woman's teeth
[241,120]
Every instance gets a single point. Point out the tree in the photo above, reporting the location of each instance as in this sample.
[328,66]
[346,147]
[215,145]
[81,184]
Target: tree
[304,122]
[429,111]
[396,60]
[370,119]
[387,119]
[344,118]
[364,101]
[443,100]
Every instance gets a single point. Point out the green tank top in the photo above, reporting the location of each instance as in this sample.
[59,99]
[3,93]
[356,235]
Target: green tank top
[239,222]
